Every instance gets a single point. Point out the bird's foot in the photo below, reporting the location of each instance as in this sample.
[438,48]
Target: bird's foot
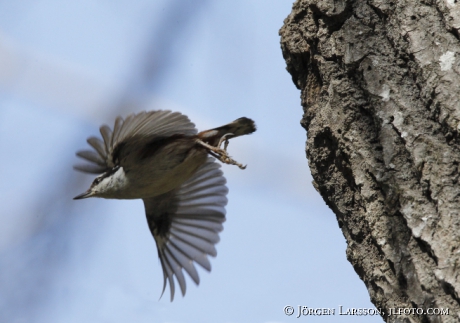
[219,153]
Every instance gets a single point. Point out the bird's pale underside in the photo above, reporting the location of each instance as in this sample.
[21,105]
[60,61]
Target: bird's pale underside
[159,157]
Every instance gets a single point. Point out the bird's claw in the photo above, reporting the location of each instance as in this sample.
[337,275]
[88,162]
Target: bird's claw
[219,153]
[224,138]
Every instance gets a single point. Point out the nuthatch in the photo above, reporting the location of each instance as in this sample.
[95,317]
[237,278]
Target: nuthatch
[157,156]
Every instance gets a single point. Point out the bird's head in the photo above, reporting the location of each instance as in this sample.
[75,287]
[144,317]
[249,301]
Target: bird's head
[105,185]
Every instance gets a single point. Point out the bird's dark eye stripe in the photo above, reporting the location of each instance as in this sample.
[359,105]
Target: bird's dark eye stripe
[105,175]
[98,180]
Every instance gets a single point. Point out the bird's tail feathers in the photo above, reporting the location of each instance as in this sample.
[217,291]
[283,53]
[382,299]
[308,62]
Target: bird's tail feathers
[239,127]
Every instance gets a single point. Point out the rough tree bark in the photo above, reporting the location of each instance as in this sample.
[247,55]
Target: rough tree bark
[380,88]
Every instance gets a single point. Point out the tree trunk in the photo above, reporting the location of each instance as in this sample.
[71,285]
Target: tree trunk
[380,90]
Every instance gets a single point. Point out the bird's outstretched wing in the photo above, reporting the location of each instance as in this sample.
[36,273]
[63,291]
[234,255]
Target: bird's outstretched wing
[186,222]
[149,124]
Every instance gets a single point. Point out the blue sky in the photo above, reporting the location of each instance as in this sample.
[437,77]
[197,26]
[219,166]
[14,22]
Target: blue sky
[66,68]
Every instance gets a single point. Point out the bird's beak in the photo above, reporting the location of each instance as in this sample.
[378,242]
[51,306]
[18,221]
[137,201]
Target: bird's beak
[83,195]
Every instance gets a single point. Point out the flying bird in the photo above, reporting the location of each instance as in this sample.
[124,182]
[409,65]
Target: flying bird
[159,157]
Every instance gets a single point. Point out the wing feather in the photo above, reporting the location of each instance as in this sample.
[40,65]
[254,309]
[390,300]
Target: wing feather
[143,125]
[90,168]
[177,269]
[204,233]
[195,254]
[185,262]
[116,130]
[92,156]
[168,274]
[185,223]
[106,133]
[98,145]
